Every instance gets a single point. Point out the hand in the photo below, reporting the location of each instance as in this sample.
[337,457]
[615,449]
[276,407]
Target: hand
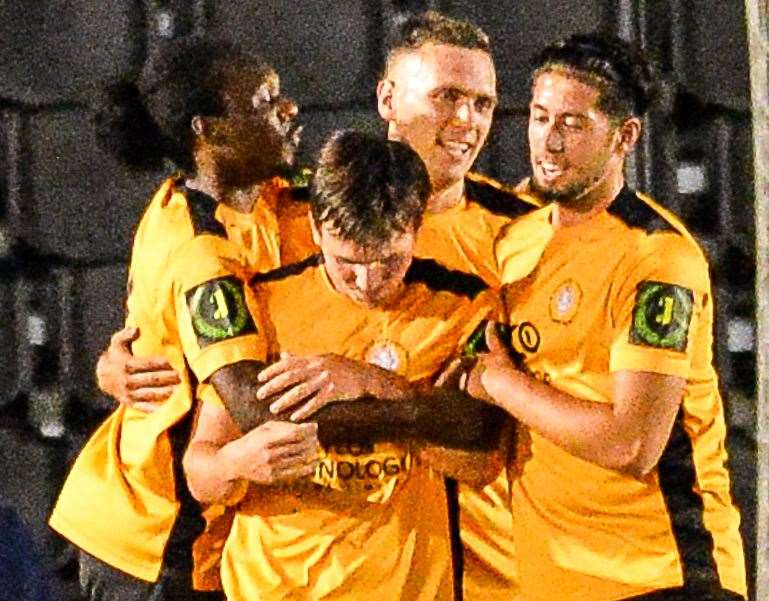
[136,382]
[490,367]
[454,374]
[313,382]
[274,452]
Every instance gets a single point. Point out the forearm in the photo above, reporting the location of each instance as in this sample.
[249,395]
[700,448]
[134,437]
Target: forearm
[236,385]
[591,431]
[447,418]
[209,475]
[474,468]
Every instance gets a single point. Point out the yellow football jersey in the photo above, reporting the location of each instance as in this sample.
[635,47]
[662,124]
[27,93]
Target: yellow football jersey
[462,238]
[372,523]
[626,290]
[123,494]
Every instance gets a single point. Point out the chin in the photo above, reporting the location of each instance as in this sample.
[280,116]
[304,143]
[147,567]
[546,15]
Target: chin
[560,194]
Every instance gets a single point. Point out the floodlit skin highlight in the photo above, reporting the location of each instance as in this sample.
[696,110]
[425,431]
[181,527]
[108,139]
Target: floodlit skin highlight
[440,100]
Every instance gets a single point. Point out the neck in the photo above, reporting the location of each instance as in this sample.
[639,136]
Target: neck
[442,199]
[237,198]
[446,198]
[589,203]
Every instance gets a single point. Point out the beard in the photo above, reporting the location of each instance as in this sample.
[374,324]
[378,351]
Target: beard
[573,196]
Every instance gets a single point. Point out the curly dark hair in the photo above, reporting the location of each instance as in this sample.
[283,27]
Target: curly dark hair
[144,122]
[625,78]
[412,31]
[368,189]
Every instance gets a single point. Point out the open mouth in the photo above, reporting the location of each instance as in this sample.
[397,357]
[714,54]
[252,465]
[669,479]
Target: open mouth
[457,149]
[550,170]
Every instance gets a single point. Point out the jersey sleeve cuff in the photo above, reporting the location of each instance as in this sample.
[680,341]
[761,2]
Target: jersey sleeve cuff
[218,355]
[669,363]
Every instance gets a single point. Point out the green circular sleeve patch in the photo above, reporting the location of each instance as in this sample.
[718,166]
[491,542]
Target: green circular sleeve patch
[661,316]
[219,311]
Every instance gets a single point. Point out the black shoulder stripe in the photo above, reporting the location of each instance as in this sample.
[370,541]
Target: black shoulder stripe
[285,271]
[636,213]
[202,209]
[440,278]
[496,200]
[300,193]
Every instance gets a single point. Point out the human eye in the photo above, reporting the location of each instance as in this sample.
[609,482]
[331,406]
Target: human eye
[484,103]
[449,94]
[572,122]
[538,115]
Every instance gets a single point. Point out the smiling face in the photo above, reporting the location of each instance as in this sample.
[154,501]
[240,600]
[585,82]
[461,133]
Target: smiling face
[256,137]
[574,145]
[371,275]
[440,99]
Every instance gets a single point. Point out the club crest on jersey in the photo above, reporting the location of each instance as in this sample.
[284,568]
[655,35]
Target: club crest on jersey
[565,301]
[661,316]
[387,355]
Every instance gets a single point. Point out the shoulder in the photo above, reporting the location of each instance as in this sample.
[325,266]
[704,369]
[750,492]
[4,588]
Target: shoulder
[438,278]
[202,209]
[662,245]
[496,197]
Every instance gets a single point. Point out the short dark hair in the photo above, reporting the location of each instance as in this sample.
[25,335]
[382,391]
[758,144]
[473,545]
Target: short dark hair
[624,77]
[415,30]
[368,189]
[144,121]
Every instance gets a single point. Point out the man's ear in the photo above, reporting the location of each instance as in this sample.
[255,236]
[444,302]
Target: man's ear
[629,133]
[314,228]
[384,96]
[198,125]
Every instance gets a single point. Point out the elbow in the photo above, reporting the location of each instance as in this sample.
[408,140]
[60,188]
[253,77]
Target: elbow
[630,460]
[196,476]
[192,475]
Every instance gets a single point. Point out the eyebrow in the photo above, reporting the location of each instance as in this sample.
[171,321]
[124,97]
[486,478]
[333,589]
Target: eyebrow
[466,92]
[354,262]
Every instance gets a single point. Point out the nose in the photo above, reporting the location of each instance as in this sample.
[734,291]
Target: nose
[463,113]
[362,278]
[287,109]
[554,139]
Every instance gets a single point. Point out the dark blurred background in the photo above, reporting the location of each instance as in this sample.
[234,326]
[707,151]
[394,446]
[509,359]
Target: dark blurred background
[67,212]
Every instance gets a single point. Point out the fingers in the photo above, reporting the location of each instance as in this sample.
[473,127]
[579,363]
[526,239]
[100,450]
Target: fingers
[492,338]
[149,395]
[124,337]
[451,375]
[280,433]
[294,472]
[152,379]
[136,365]
[305,391]
[149,407]
[286,362]
[285,380]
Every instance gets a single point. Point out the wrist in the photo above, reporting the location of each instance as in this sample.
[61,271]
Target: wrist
[503,382]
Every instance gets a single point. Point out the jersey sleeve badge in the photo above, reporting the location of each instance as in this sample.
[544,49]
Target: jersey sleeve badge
[219,310]
[661,316]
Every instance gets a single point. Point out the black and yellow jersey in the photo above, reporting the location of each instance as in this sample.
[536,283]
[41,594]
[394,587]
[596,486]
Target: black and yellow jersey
[372,523]
[628,289]
[187,297]
[462,238]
